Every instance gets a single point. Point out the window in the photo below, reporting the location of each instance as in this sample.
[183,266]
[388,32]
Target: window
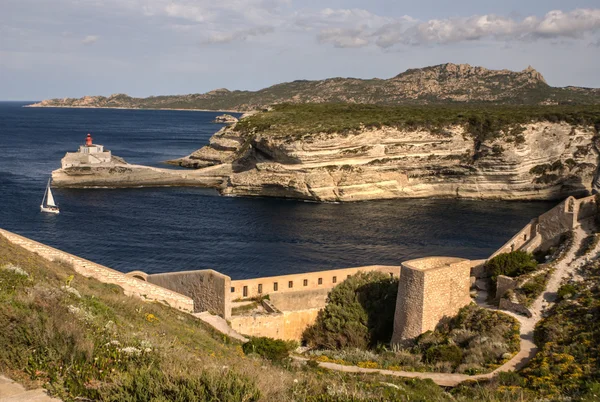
[245,291]
[320,281]
[290,284]
[334,280]
[232,290]
[275,287]
[260,288]
[306,282]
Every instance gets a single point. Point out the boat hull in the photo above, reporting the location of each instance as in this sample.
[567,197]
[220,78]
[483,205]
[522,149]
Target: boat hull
[50,210]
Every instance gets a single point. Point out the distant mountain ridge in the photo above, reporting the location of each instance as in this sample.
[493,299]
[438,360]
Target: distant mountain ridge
[444,83]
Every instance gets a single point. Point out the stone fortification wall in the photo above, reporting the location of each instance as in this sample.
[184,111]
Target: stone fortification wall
[287,325]
[305,299]
[248,288]
[207,288]
[545,231]
[559,220]
[131,286]
[430,289]
[520,240]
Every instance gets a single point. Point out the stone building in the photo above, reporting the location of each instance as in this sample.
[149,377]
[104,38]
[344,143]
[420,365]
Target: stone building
[430,289]
[88,154]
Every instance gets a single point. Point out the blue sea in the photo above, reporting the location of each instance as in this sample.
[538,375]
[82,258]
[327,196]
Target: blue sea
[176,229]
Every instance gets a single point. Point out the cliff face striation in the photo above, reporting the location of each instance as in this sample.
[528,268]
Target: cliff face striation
[506,154]
[445,83]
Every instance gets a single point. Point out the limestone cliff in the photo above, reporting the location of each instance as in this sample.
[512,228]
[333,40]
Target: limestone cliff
[536,159]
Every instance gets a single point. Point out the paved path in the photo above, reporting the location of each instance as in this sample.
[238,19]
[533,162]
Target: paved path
[528,349]
[11,391]
[220,325]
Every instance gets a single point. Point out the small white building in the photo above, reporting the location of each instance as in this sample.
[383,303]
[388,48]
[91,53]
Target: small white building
[88,155]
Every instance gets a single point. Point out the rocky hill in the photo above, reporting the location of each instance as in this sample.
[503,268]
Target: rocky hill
[445,83]
[361,152]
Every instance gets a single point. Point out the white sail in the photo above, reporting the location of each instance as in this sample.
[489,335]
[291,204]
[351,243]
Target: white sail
[50,200]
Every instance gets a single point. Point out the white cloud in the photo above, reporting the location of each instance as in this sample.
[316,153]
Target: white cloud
[241,35]
[343,37]
[555,24]
[90,39]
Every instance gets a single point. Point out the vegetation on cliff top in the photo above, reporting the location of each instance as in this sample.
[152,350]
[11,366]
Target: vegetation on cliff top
[483,122]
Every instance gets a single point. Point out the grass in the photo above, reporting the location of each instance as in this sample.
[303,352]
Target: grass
[88,341]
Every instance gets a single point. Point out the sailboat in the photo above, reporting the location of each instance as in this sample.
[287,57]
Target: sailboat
[50,206]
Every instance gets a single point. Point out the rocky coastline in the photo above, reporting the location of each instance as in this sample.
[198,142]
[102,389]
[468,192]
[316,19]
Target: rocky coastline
[533,161]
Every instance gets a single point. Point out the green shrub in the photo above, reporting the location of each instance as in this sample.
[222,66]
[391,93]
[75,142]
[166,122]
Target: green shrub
[444,353]
[359,313]
[269,348]
[511,264]
[566,291]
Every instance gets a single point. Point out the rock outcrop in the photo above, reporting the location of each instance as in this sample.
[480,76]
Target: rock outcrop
[545,160]
[226,119]
[445,83]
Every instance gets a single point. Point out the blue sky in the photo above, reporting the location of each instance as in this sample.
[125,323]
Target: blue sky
[71,48]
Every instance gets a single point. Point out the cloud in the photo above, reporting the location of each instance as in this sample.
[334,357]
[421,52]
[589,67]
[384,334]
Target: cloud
[343,38]
[555,24]
[357,28]
[241,35]
[90,39]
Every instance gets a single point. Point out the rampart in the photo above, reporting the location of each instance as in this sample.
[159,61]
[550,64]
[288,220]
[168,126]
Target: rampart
[248,288]
[286,325]
[207,288]
[131,286]
[545,231]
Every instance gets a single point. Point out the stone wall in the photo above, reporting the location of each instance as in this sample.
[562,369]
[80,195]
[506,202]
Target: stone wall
[520,240]
[306,299]
[287,325]
[248,288]
[131,285]
[207,288]
[586,207]
[430,289]
[559,220]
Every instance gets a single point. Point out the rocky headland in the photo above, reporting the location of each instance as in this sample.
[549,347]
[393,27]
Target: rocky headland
[445,83]
[351,153]
[118,173]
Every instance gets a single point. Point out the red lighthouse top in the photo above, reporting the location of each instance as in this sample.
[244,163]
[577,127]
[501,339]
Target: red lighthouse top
[88,140]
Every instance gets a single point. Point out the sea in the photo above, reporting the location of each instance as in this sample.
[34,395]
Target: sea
[178,229]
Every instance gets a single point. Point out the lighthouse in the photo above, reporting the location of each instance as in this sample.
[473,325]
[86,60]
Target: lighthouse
[89,154]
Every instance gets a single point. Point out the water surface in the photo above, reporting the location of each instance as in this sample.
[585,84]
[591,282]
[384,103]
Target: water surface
[174,229]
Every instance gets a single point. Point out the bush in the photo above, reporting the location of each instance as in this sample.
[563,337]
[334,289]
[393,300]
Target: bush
[511,264]
[444,353]
[359,313]
[269,348]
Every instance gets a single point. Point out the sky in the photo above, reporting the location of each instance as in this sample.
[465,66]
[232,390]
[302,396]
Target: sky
[72,48]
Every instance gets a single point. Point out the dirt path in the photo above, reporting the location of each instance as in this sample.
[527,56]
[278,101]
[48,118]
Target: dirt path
[528,349]
[11,391]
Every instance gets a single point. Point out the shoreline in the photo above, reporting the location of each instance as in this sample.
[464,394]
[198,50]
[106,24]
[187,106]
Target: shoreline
[133,108]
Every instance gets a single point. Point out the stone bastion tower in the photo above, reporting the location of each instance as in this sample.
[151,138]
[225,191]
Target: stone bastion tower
[430,289]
